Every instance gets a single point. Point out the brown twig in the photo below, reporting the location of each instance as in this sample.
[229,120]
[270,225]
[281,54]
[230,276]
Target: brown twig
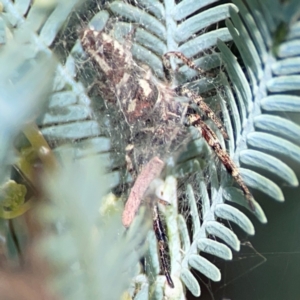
[150,171]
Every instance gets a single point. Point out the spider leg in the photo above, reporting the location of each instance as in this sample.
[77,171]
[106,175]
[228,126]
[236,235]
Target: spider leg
[184,91]
[181,56]
[198,100]
[161,239]
[224,157]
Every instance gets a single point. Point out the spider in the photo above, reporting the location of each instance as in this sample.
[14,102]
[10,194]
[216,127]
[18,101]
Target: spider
[155,121]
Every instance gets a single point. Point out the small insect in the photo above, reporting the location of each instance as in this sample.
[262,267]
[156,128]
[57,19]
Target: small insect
[155,120]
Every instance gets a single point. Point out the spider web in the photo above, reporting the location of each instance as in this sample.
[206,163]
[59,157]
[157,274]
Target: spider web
[118,142]
[66,44]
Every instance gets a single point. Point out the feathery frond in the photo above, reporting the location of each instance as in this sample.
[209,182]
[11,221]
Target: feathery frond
[253,82]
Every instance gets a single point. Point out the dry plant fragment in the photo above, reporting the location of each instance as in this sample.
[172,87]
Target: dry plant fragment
[149,172]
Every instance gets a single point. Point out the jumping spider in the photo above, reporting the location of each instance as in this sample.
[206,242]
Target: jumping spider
[155,120]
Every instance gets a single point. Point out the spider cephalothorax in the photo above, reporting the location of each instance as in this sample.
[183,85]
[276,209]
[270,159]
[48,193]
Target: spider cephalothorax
[148,106]
[155,120]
